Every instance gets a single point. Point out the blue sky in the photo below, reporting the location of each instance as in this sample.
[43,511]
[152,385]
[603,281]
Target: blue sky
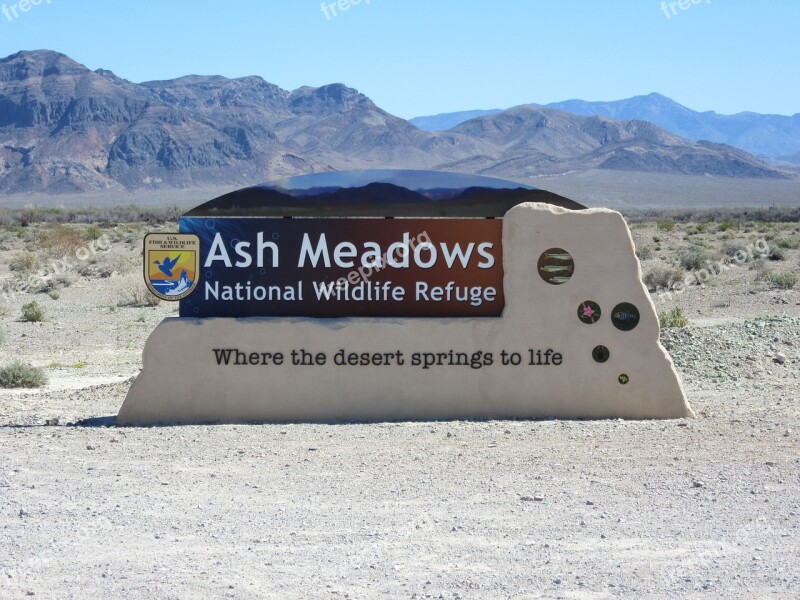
[416,57]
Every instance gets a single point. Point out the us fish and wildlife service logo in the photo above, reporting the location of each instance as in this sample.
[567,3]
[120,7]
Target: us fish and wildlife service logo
[171,264]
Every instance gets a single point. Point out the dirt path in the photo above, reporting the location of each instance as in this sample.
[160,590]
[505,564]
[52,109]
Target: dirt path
[470,510]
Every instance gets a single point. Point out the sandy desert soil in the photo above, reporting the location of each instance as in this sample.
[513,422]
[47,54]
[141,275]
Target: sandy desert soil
[706,508]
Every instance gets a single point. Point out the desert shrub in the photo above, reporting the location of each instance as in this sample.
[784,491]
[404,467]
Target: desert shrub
[66,278]
[100,267]
[32,312]
[694,258]
[20,375]
[788,243]
[645,252]
[785,281]
[729,225]
[91,215]
[60,240]
[93,232]
[665,225]
[672,318]
[763,273]
[58,281]
[776,253]
[24,262]
[663,277]
[697,228]
[732,247]
[134,292]
[94,269]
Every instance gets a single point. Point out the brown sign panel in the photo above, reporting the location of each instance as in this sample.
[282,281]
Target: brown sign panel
[337,267]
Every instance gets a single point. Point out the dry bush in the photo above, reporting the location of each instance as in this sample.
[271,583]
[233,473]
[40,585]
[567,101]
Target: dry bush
[785,281]
[763,273]
[697,228]
[32,312]
[728,218]
[672,319]
[105,264]
[729,225]
[24,262]
[60,240]
[665,225]
[58,281]
[94,268]
[134,292]
[20,375]
[732,247]
[90,215]
[663,277]
[645,252]
[93,232]
[696,257]
[788,243]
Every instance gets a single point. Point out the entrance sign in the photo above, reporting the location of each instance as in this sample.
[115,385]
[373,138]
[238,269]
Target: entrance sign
[538,311]
[268,267]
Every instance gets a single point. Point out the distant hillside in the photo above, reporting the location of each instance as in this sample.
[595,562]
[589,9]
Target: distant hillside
[445,121]
[793,159]
[542,140]
[769,136]
[66,129]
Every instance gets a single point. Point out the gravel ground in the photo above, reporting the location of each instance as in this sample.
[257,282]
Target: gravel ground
[708,507]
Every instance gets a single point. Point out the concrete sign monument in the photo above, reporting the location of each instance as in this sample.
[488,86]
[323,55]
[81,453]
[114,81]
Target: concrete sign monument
[400,295]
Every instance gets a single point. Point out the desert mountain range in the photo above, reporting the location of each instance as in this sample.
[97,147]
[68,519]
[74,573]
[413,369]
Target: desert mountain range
[65,128]
[772,137]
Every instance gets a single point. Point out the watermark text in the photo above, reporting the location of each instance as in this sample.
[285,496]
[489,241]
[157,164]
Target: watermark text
[332,10]
[14,11]
[671,8]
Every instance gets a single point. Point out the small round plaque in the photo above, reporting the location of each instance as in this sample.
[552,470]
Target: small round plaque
[556,266]
[589,312]
[601,354]
[625,316]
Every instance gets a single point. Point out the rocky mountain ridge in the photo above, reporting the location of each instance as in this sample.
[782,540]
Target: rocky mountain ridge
[66,129]
[773,137]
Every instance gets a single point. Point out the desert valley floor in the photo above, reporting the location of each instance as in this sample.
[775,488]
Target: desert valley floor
[708,507]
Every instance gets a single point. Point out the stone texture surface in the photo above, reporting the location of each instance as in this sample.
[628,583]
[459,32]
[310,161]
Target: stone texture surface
[181,381]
